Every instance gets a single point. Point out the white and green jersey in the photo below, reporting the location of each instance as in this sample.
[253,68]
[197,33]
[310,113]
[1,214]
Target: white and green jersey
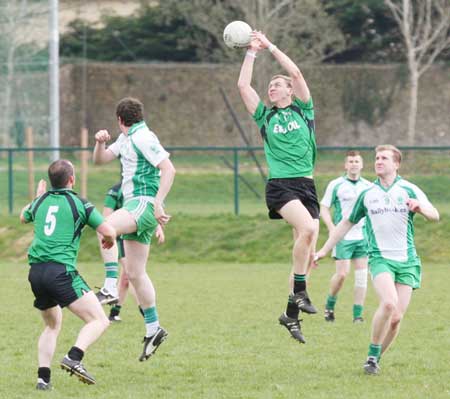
[140,152]
[389,222]
[341,194]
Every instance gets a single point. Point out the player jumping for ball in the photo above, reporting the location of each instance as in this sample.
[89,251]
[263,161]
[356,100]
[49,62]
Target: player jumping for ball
[287,129]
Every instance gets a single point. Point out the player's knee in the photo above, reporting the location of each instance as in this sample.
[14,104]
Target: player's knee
[361,278]
[54,327]
[389,306]
[306,232]
[396,320]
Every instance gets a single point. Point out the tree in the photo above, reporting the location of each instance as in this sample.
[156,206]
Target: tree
[148,35]
[301,27]
[371,34]
[425,28]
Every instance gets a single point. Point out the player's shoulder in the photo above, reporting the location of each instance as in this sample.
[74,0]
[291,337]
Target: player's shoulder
[114,190]
[336,181]
[366,181]
[406,184]
[144,135]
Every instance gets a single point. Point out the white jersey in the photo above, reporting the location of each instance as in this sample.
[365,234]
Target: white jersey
[389,222]
[341,193]
[140,153]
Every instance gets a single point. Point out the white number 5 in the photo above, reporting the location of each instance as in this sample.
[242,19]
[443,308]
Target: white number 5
[50,220]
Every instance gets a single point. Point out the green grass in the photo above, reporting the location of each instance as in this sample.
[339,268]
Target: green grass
[224,341]
[222,238]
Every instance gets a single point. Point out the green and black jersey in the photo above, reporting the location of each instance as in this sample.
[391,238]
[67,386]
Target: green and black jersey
[289,138]
[59,216]
[114,197]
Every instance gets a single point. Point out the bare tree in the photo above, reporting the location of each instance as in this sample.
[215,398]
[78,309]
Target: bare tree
[301,27]
[425,27]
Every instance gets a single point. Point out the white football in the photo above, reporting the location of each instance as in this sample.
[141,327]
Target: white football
[237,34]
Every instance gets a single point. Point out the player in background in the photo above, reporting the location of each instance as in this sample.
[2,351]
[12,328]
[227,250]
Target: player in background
[59,216]
[341,194]
[147,176]
[389,206]
[115,292]
[287,129]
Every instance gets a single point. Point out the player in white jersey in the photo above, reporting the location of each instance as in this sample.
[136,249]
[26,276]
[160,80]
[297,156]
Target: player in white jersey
[147,176]
[341,194]
[389,207]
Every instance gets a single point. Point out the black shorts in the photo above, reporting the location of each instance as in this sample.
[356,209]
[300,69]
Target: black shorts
[53,285]
[281,191]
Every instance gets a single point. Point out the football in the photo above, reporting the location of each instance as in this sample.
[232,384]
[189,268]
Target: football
[237,34]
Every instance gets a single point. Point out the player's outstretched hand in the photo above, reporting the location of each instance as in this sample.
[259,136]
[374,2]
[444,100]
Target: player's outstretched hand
[102,136]
[41,188]
[255,43]
[262,39]
[413,205]
[160,234]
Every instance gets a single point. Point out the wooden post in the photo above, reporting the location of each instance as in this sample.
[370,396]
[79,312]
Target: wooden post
[30,157]
[84,162]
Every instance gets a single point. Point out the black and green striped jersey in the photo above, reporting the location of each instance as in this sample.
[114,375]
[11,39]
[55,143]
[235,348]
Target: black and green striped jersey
[114,197]
[59,216]
[289,138]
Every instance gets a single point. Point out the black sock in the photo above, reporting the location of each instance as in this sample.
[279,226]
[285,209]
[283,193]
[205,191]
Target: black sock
[115,310]
[76,353]
[141,311]
[44,373]
[299,283]
[292,310]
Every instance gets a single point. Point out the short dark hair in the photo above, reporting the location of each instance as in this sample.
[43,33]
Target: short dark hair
[130,110]
[59,173]
[352,153]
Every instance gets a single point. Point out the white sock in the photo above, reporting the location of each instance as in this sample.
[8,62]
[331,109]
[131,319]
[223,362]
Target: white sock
[111,285]
[151,328]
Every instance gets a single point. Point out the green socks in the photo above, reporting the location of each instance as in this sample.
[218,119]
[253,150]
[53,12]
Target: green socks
[375,351]
[331,301]
[357,311]
[112,269]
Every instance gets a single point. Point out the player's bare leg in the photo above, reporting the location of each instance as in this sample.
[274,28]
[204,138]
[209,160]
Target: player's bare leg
[88,309]
[404,297]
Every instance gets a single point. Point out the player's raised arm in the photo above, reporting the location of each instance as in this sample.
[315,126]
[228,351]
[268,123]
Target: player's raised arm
[299,85]
[248,93]
[41,189]
[101,153]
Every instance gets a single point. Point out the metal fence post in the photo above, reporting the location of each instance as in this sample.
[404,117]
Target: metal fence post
[236,180]
[10,181]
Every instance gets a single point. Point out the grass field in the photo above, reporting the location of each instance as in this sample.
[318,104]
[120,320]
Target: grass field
[221,284]
[224,340]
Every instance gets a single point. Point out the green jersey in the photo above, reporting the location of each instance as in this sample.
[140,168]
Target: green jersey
[114,197]
[59,216]
[289,138]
